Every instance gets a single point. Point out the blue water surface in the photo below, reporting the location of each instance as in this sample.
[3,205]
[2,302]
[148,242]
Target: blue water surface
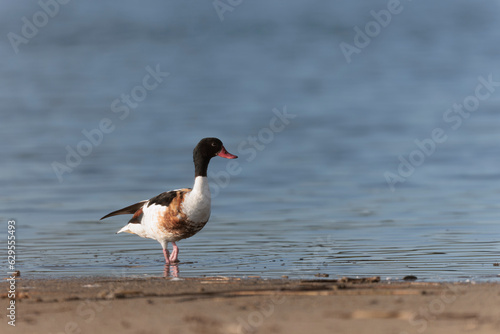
[319,133]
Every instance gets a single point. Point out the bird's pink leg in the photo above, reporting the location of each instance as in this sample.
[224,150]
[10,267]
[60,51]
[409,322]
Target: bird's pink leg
[165,253]
[175,253]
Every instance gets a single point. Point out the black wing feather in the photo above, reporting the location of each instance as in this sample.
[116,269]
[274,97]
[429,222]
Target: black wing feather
[163,199]
[128,210]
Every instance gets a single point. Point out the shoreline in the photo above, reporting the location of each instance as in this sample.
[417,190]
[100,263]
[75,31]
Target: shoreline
[253,305]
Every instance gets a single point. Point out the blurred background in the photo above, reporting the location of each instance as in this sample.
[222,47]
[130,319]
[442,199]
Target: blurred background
[310,194]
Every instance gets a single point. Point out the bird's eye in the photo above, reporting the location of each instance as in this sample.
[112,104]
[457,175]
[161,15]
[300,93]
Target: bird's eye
[214,144]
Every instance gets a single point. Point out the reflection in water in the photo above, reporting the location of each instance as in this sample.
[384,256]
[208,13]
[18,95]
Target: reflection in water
[174,273]
[387,249]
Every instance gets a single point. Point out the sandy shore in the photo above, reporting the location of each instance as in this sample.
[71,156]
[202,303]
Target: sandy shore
[224,305]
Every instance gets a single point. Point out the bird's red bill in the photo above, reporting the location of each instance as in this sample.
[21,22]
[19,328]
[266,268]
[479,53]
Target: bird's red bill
[225,154]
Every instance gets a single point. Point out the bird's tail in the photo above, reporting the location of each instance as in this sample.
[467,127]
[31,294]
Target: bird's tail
[128,210]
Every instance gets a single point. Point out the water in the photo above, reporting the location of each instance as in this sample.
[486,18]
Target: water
[313,198]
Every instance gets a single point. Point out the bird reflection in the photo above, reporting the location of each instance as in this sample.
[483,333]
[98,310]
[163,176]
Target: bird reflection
[171,271]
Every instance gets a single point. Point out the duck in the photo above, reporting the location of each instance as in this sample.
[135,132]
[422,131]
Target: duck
[177,214]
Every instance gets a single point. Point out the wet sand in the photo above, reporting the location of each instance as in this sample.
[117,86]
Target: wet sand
[229,305]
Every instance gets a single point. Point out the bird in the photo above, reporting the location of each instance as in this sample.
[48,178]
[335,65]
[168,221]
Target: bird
[177,214]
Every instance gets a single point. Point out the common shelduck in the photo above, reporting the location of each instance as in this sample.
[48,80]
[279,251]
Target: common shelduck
[177,214]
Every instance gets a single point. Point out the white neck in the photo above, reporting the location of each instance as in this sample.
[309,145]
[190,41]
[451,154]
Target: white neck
[197,202]
[201,186]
